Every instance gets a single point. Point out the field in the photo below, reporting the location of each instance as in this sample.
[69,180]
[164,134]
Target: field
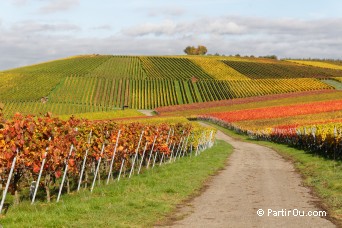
[95,83]
[277,69]
[248,103]
[73,151]
[82,111]
[318,64]
[307,120]
[253,94]
[162,190]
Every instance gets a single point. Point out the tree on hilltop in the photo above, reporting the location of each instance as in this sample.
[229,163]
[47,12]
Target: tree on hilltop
[190,50]
[200,50]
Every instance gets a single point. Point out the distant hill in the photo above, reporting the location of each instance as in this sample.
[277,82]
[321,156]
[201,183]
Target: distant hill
[92,83]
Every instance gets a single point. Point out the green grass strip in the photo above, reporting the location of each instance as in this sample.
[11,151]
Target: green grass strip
[106,115]
[137,202]
[322,175]
[334,83]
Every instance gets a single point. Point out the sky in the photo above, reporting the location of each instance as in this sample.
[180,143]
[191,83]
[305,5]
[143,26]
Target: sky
[33,31]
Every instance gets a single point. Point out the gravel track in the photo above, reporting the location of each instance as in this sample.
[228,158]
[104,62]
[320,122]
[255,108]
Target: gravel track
[256,177]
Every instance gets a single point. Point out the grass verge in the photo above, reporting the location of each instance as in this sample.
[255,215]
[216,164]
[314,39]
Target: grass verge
[105,115]
[137,202]
[323,176]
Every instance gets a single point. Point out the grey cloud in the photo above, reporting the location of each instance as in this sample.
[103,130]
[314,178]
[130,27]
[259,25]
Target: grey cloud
[219,27]
[58,5]
[293,26]
[227,35]
[293,47]
[170,28]
[239,26]
[28,27]
[165,28]
[166,12]
[102,27]
[212,27]
[28,50]
[19,2]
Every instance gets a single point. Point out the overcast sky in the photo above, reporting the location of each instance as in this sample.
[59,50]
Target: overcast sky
[33,31]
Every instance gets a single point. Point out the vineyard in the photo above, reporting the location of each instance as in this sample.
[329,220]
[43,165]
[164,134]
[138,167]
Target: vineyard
[94,83]
[250,103]
[291,121]
[324,139]
[272,117]
[318,64]
[11,108]
[338,79]
[287,91]
[172,68]
[218,69]
[120,67]
[34,82]
[280,111]
[312,126]
[93,94]
[48,152]
[257,70]
[99,135]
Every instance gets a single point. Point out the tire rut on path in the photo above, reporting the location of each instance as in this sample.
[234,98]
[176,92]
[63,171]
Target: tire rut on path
[256,177]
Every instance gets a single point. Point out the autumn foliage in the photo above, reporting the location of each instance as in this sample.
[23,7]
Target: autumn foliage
[279,111]
[29,138]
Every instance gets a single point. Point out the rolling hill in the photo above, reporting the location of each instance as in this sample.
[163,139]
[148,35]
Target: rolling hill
[95,83]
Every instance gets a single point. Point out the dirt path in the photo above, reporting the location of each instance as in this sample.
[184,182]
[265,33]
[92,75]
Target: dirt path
[255,178]
[146,112]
